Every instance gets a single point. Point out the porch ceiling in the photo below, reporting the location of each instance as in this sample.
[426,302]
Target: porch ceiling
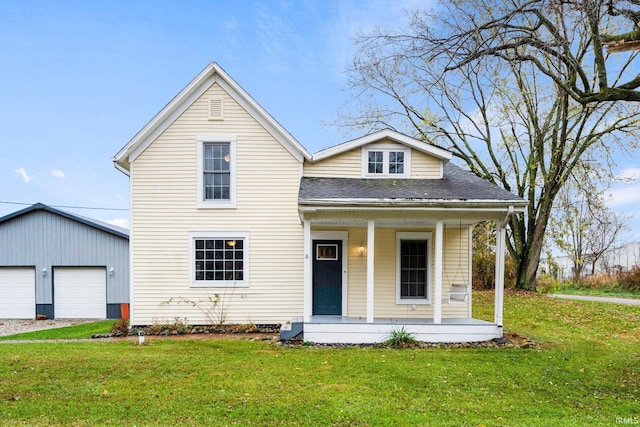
[398,217]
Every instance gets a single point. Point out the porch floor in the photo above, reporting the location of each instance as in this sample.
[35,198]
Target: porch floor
[396,320]
[355,330]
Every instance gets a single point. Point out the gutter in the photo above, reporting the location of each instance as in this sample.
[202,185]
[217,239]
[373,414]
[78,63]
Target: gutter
[403,203]
[119,167]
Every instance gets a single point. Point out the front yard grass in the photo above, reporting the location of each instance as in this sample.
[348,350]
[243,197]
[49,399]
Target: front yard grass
[585,371]
[84,330]
[604,292]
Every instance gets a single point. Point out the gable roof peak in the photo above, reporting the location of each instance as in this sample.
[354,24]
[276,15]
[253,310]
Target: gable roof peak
[383,134]
[211,74]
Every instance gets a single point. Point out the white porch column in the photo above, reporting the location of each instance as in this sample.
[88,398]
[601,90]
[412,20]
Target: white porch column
[437,273]
[308,279]
[501,234]
[371,230]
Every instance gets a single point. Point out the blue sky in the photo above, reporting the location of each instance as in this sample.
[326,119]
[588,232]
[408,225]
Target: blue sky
[79,78]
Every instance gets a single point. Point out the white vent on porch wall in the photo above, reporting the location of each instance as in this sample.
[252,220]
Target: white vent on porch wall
[216,108]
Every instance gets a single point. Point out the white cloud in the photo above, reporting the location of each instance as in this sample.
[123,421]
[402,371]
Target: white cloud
[119,222]
[624,195]
[231,25]
[356,17]
[57,173]
[23,174]
[626,191]
[629,174]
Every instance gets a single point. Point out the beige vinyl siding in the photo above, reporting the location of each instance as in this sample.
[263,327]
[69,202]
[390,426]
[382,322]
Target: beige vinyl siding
[455,269]
[424,166]
[349,164]
[343,165]
[357,273]
[164,211]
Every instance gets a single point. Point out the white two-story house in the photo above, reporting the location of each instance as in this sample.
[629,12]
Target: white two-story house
[343,245]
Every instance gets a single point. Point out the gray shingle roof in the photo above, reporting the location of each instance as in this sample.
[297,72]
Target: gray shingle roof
[457,185]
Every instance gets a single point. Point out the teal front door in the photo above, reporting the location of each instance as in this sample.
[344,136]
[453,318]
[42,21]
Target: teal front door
[327,277]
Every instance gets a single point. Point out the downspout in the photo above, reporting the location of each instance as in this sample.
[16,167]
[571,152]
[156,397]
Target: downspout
[507,218]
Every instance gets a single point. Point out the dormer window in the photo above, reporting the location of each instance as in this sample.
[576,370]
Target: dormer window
[381,162]
[396,162]
[376,164]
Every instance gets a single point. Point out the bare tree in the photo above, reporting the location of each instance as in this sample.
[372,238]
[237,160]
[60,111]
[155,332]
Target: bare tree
[512,114]
[541,32]
[583,227]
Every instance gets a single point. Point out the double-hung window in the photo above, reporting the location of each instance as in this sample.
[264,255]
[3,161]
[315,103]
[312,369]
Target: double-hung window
[413,268]
[216,171]
[381,162]
[219,259]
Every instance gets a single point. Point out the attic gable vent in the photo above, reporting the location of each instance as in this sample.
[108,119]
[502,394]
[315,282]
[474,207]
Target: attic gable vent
[216,108]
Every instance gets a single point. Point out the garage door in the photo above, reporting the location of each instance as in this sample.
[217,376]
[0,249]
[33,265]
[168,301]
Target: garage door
[17,293]
[80,292]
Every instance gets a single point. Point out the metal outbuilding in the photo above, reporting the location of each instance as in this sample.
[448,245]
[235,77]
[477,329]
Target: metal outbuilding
[61,265]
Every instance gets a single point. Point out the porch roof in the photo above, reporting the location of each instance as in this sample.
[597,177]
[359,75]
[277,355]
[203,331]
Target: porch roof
[457,187]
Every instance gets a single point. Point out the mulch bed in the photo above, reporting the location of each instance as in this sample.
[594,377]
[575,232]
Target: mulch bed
[509,340]
[270,333]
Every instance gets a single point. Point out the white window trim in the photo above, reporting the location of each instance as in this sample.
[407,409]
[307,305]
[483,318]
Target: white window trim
[227,235]
[385,148]
[216,204]
[414,236]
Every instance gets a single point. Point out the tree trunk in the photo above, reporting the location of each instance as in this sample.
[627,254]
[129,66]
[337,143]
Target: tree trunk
[528,265]
[529,260]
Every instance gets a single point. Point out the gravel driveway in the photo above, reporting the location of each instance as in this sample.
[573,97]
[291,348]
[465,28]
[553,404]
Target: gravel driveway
[10,327]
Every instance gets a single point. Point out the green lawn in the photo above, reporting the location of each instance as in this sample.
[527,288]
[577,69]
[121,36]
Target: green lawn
[585,371]
[598,292]
[84,330]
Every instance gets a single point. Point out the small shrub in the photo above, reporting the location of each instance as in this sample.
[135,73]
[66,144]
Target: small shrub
[599,281]
[546,284]
[214,307]
[120,328]
[400,338]
[178,327]
[249,328]
[630,280]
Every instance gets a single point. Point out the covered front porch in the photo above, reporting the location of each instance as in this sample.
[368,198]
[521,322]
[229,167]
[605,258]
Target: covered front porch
[373,299]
